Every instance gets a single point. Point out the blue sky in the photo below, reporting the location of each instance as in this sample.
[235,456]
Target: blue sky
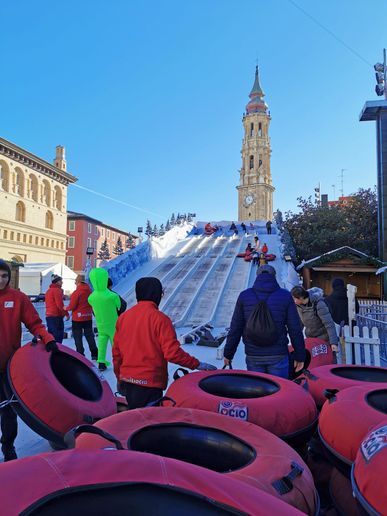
[147,97]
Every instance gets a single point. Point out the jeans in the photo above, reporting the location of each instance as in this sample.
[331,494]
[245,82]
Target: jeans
[8,421]
[276,366]
[55,326]
[80,328]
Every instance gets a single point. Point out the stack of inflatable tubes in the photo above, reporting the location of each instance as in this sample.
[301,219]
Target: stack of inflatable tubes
[341,377]
[276,404]
[111,482]
[345,420]
[57,391]
[320,352]
[239,450]
[369,471]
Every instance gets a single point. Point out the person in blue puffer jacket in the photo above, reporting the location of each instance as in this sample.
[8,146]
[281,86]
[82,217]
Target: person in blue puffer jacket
[273,359]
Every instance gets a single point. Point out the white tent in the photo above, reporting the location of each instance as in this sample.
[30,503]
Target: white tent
[35,278]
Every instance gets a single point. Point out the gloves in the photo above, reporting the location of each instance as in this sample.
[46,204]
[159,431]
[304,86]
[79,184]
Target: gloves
[52,346]
[203,366]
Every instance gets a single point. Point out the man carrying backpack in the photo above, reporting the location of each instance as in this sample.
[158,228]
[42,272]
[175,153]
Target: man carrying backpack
[263,316]
[315,316]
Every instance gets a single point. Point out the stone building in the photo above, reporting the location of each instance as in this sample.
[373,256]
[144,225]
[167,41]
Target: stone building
[255,189]
[33,205]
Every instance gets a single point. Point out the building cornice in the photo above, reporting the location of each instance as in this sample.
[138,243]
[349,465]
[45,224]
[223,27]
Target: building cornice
[12,151]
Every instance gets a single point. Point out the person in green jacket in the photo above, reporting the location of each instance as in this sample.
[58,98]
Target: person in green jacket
[105,304]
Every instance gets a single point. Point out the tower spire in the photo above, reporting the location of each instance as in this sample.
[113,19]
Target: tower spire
[256,97]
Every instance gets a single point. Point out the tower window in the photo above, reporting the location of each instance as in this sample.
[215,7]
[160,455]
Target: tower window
[251,162]
[260,129]
[251,129]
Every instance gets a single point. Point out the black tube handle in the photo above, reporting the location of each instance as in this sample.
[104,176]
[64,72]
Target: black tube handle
[229,365]
[176,375]
[285,484]
[330,394]
[159,402]
[69,438]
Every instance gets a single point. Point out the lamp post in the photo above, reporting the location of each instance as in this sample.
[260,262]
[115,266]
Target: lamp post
[89,253]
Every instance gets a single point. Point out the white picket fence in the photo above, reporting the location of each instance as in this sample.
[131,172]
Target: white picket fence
[360,348]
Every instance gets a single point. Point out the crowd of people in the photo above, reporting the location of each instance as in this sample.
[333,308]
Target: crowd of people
[144,340]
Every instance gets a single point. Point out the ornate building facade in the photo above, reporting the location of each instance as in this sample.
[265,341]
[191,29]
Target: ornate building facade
[33,205]
[255,189]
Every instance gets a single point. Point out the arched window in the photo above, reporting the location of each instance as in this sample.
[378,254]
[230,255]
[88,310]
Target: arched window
[251,129]
[251,162]
[4,177]
[19,183]
[259,129]
[33,188]
[46,192]
[58,198]
[49,220]
[20,212]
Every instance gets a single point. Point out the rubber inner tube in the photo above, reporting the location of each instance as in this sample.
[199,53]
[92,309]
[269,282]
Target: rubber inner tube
[207,447]
[362,374]
[378,400]
[141,498]
[76,377]
[238,386]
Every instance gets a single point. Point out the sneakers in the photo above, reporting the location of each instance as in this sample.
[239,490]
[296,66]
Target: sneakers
[9,454]
[94,357]
[102,366]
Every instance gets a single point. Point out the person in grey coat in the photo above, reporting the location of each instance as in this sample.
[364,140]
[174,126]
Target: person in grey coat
[315,316]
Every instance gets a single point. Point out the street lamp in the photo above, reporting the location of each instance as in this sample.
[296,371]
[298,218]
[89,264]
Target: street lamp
[381,77]
[89,253]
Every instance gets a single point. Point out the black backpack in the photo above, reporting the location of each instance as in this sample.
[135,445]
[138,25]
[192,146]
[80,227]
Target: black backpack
[260,327]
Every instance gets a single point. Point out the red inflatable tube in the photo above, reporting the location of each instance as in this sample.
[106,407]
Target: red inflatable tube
[278,405]
[87,483]
[346,419]
[57,391]
[369,471]
[341,377]
[239,450]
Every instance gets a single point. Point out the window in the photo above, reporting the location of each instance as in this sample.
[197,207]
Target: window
[102,232]
[251,129]
[4,176]
[70,262]
[53,243]
[251,162]
[49,220]
[46,193]
[58,198]
[95,244]
[88,227]
[20,212]
[113,235]
[61,245]
[71,242]
[19,185]
[18,237]
[96,230]
[5,234]
[259,129]
[36,240]
[30,239]
[24,238]
[71,225]
[42,241]
[47,242]
[33,188]
[89,242]
[108,233]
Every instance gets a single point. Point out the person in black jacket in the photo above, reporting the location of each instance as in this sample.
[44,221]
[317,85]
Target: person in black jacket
[338,302]
[274,358]
[123,302]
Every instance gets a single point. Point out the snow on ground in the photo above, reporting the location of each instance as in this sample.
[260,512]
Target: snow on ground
[182,251]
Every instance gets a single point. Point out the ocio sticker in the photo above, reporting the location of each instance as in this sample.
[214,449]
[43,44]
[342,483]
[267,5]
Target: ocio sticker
[230,408]
[375,442]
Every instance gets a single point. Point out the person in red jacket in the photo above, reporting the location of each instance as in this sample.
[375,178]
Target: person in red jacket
[15,309]
[82,317]
[144,342]
[55,310]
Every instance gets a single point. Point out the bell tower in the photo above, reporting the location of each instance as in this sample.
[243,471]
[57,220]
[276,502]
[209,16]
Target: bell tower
[255,189]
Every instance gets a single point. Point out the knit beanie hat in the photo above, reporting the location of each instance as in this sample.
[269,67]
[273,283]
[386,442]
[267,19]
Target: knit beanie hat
[149,289]
[5,267]
[55,278]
